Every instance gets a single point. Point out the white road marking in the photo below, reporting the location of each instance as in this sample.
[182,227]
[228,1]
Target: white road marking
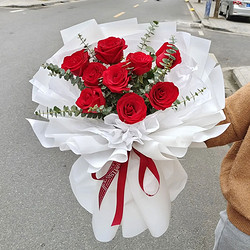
[201,33]
[14,11]
[136,5]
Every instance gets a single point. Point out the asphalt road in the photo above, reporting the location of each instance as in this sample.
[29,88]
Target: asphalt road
[230,49]
[37,207]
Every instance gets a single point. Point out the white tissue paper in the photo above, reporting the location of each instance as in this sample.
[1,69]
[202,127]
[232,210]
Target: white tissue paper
[163,136]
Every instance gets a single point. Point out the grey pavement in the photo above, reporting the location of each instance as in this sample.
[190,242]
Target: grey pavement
[30,3]
[38,209]
[219,23]
[241,75]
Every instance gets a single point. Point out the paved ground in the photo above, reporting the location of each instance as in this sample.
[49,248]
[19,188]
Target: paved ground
[239,26]
[39,206]
[241,75]
[30,3]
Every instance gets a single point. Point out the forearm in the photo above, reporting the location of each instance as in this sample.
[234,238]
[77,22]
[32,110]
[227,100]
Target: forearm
[237,111]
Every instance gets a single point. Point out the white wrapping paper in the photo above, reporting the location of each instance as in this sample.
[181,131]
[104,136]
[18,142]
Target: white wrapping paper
[163,136]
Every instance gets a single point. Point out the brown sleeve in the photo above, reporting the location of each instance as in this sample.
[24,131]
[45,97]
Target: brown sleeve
[237,111]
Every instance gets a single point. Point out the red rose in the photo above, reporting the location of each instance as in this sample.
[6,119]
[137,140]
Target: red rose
[160,54]
[116,78]
[140,62]
[110,50]
[92,74]
[131,108]
[76,63]
[162,95]
[89,98]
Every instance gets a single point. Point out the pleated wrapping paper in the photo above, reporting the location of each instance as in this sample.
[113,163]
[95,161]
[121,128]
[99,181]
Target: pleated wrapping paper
[163,136]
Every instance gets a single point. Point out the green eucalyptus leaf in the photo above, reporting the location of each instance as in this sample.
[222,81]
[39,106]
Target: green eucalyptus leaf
[57,110]
[165,60]
[150,49]
[177,101]
[172,57]
[171,51]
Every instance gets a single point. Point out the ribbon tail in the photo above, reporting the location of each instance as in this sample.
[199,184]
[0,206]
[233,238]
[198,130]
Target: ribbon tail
[146,162]
[120,194]
[107,179]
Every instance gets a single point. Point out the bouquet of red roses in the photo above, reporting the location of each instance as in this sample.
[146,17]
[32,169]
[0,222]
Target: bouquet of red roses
[132,87]
[151,95]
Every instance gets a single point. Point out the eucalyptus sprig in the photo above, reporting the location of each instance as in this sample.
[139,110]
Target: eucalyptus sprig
[188,98]
[93,112]
[167,62]
[86,46]
[101,109]
[67,75]
[173,39]
[66,110]
[145,38]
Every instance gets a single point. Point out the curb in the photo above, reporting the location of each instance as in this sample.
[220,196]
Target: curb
[35,4]
[193,13]
[215,28]
[223,29]
[189,25]
[229,81]
[241,75]
[235,78]
[203,21]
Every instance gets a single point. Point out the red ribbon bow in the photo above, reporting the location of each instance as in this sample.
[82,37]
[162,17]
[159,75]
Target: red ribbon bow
[121,169]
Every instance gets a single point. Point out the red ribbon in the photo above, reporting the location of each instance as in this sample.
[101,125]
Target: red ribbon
[116,167]
[146,162]
[107,179]
[121,168]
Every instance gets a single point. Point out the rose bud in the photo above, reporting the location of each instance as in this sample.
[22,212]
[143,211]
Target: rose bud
[116,78]
[160,54]
[110,50]
[76,63]
[90,97]
[140,62]
[162,95]
[131,108]
[92,74]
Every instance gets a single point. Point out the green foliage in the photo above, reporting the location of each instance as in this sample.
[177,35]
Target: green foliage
[94,112]
[166,62]
[145,39]
[150,50]
[140,85]
[173,40]
[188,98]
[67,75]
[87,46]
[102,110]
[51,112]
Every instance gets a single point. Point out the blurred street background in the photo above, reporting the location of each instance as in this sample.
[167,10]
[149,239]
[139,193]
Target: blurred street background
[37,207]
